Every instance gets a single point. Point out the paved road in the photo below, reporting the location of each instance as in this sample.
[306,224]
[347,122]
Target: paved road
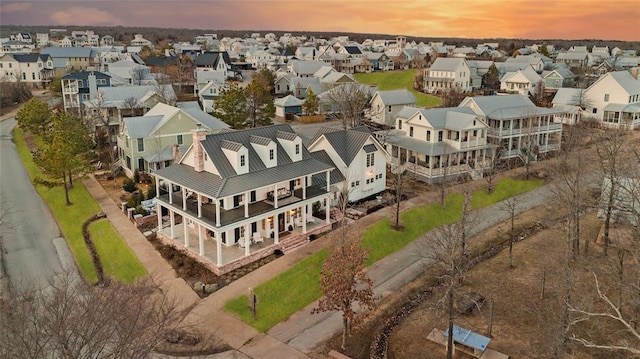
[32,250]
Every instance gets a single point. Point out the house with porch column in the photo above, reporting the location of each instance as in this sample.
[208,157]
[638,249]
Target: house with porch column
[438,144]
[517,125]
[237,196]
[614,100]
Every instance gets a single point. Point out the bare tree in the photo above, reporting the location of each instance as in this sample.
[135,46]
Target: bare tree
[398,182]
[348,102]
[452,97]
[494,155]
[610,149]
[528,148]
[74,320]
[445,163]
[345,282]
[138,75]
[627,339]
[510,205]
[445,249]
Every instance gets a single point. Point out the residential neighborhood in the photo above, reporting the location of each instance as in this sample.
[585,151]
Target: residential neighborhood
[259,175]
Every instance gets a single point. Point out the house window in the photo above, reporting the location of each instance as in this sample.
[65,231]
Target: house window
[411,131]
[399,124]
[297,149]
[85,97]
[271,154]
[128,162]
[101,81]
[439,136]
[370,159]
[389,108]
[428,136]
[179,139]
[33,75]
[242,161]
[24,76]
[140,144]
[595,110]
[606,97]
[79,83]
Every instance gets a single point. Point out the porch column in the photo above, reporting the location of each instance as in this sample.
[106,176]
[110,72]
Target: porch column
[199,206]
[217,212]
[328,181]
[184,198]
[159,214]
[200,239]
[186,233]
[246,205]
[170,190]
[304,187]
[276,229]
[247,240]
[218,248]
[157,186]
[172,218]
[275,196]
[327,210]
[304,219]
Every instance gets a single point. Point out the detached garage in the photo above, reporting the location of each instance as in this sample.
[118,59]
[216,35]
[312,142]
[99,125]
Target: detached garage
[287,105]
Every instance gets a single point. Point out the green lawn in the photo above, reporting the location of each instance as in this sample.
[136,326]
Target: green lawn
[298,287]
[122,263]
[283,295]
[392,80]
[71,218]
[504,189]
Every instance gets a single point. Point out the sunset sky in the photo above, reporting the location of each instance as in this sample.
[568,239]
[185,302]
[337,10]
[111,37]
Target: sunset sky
[542,19]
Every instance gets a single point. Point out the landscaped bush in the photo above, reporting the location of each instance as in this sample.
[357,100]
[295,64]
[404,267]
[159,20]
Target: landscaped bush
[136,176]
[151,192]
[141,210]
[129,185]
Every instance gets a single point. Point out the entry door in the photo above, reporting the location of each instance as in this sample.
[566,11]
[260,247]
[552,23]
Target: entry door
[254,227]
[237,234]
[281,223]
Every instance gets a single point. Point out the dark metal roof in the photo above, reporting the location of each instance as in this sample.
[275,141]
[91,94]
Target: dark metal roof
[370,148]
[353,50]
[229,145]
[212,59]
[321,179]
[346,143]
[85,75]
[287,135]
[260,140]
[162,60]
[31,57]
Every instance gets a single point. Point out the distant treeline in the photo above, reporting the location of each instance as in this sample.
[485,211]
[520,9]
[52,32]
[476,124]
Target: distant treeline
[124,34]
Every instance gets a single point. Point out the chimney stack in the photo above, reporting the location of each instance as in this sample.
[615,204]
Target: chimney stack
[199,135]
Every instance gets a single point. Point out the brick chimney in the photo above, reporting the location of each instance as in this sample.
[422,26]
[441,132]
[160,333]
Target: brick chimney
[199,135]
[175,153]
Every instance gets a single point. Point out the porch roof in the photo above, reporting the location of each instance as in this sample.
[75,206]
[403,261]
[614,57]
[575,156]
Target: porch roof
[623,107]
[420,146]
[216,187]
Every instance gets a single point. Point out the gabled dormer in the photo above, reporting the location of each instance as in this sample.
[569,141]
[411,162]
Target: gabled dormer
[266,149]
[237,155]
[292,144]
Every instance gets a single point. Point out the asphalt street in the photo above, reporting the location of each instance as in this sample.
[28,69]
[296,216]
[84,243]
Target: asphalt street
[32,250]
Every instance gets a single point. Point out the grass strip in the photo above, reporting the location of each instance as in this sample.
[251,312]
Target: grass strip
[70,218]
[122,263]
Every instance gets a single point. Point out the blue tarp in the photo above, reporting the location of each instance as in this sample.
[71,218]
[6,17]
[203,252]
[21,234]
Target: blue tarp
[468,338]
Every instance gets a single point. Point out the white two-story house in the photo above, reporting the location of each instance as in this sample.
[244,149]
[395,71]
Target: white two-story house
[385,105]
[237,196]
[447,73]
[614,100]
[438,144]
[358,157]
[516,124]
[524,82]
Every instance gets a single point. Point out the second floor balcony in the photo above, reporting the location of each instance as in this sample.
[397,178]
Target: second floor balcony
[207,208]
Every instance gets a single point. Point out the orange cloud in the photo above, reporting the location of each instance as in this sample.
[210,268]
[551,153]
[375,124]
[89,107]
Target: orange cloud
[84,16]
[15,7]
